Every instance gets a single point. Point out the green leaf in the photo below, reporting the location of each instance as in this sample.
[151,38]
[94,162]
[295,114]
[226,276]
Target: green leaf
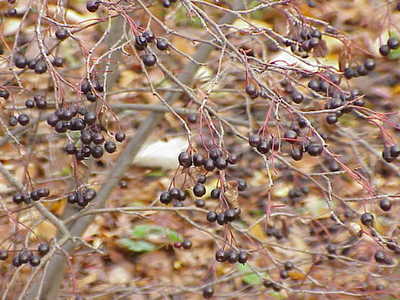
[250,278]
[156,173]
[137,246]
[147,231]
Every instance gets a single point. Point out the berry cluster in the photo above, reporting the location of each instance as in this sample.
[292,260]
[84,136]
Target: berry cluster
[82,197]
[391,44]
[27,198]
[232,256]
[25,256]
[304,41]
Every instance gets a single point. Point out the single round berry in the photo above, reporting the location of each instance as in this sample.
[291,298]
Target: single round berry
[34,260]
[296,154]
[165,198]
[393,43]
[91,97]
[201,178]
[198,159]
[230,215]
[23,119]
[254,140]
[220,255]
[283,274]
[384,50]
[185,159]
[90,118]
[149,36]
[209,165]
[120,136]
[291,136]
[186,244]
[208,292]
[331,119]
[233,257]
[367,219]
[242,185]
[110,146]
[314,85]
[41,104]
[89,194]
[214,154]
[58,61]
[92,5]
[315,149]
[251,90]
[243,257]
[40,67]
[162,44]
[221,163]
[30,103]
[380,257]
[140,42]
[97,138]
[16,262]
[20,61]
[369,64]
[385,204]
[211,216]
[97,151]
[199,190]
[221,219]
[149,59]
[200,203]
[86,137]
[215,193]
[62,33]
[297,97]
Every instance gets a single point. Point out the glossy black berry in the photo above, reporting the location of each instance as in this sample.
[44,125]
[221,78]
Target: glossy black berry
[369,64]
[140,42]
[120,136]
[214,154]
[62,33]
[385,204]
[252,91]
[16,262]
[314,85]
[220,255]
[17,198]
[40,67]
[201,178]
[149,36]
[393,43]
[230,215]
[367,219]
[209,165]
[165,198]
[221,219]
[315,149]
[297,97]
[264,147]
[199,190]
[331,119]
[58,62]
[198,159]
[41,103]
[97,151]
[384,50]
[92,5]
[162,44]
[185,159]
[199,203]
[208,292]
[394,151]
[90,118]
[380,257]
[241,185]
[211,216]
[110,146]
[243,257]
[86,137]
[23,119]
[233,257]
[254,140]
[91,97]
[186,244]
[288,266]
[296,154]
[34,260]
[215,193]
[30,103]
[149,59]
[97,138]
[221,163]
[20,61]
[387,155]
[166,3]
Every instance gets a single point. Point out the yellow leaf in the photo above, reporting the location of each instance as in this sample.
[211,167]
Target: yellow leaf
[258,232]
